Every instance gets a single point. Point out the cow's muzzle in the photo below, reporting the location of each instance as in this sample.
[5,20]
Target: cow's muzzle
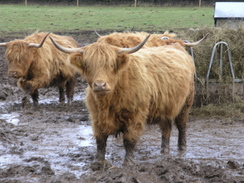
[14,74]
[100,86]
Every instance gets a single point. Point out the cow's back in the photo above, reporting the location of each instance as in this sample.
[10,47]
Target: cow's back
[170,73]
[132,39]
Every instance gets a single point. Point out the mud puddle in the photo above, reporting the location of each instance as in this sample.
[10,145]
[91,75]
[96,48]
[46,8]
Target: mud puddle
[55,144]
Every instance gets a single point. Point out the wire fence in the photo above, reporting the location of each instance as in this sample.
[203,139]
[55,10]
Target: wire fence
[115,2]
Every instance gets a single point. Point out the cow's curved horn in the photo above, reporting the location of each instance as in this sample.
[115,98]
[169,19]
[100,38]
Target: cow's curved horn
[64,49]
[3,44]
[134,49]
[97,33]
[197,42]
[38,45]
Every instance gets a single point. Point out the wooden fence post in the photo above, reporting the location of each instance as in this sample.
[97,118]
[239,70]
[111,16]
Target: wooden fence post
[26,3]
[200,3]
[77,4]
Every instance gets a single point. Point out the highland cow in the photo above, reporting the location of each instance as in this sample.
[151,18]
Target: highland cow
[38,65]
[128,89]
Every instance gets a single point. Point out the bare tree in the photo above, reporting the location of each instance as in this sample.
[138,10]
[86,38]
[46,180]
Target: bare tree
[26,2]
[78,1]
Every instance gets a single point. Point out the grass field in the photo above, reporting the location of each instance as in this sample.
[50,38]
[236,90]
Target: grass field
[20,20]
[15,18]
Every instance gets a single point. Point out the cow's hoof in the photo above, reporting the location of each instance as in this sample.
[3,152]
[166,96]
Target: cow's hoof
[100,165]
[182,148]
[165,150]
[182,151]
[128,162]
[25,102]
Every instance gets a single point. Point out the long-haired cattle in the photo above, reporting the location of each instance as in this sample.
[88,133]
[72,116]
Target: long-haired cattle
[128,89]
[38,64]
[131,39]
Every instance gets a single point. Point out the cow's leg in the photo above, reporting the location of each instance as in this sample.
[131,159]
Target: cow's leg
[101,147]
[132,133]
[70,85]
[31,88]
[130,138]
[25,102]
[61,92]
[100,161]
[180,122]
[165,126]
[182,119]
[35,96]
[129,145]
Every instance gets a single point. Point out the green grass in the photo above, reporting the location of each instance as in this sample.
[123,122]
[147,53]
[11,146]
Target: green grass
[15,18]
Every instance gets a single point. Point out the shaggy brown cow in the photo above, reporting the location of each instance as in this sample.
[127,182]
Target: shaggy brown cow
[131,39]
[37,65]
[127,91]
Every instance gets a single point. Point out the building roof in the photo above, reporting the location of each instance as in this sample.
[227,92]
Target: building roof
[229,10]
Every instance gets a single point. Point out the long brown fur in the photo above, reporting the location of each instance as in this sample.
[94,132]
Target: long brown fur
[41,67]
[131,39]
[154,85]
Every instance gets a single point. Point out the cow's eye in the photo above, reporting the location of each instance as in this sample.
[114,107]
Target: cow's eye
[112,66]
[86,66]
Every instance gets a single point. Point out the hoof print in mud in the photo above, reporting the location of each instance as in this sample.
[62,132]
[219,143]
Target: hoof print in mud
[100,165]
[233,164]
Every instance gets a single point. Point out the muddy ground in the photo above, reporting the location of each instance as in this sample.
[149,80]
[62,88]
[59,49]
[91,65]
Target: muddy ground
[54,143]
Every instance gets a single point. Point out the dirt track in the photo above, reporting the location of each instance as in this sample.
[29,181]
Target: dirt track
[55,144]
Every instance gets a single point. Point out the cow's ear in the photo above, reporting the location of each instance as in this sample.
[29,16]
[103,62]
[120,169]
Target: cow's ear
[122,61]
[76,61]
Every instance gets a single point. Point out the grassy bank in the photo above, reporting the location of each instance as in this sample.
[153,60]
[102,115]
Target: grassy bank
[15,18]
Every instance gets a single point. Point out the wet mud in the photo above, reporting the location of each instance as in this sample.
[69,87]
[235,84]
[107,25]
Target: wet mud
[54,143]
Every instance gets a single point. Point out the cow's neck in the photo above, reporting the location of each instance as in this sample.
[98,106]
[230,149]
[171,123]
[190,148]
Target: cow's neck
[103,101]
